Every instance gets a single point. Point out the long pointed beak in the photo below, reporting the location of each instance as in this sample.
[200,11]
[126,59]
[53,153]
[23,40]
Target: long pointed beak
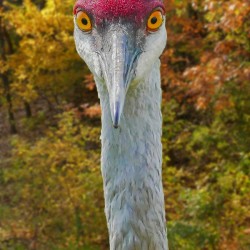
[117,62]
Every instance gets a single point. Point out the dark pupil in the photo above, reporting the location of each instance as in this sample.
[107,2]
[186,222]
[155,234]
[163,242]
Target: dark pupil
[154,20]
[84,21]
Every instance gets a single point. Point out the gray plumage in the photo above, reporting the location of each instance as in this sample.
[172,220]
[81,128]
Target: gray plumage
[132,153]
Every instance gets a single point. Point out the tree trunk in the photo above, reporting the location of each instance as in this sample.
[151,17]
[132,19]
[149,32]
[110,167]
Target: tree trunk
[8,97]
[6,48]
[27,109]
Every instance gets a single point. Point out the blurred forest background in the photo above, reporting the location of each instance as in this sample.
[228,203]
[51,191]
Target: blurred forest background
[51,195]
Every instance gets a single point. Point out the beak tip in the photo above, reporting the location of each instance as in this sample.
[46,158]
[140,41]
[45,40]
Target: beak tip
[117,114]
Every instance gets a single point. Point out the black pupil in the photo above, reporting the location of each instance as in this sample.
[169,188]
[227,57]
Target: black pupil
[84,21]
[154,20]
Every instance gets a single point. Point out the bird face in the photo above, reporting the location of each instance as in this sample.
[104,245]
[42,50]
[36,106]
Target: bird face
[120,40]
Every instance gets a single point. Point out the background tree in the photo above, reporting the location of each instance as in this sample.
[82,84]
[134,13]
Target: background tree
[6,49]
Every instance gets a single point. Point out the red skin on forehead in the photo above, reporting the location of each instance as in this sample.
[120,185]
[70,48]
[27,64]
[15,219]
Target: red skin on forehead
[110,9]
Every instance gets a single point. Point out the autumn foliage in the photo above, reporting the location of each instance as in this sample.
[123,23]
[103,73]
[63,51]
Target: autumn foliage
[50,182]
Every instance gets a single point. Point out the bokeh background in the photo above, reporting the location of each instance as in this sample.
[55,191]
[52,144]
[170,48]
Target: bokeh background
[51,194]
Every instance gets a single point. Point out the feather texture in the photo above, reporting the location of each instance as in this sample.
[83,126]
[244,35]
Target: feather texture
[131,168]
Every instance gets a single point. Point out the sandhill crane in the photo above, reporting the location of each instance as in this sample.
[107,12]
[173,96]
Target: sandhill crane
[121,42]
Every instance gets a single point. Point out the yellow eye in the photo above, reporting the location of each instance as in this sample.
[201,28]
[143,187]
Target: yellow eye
[155,21]
[83,21]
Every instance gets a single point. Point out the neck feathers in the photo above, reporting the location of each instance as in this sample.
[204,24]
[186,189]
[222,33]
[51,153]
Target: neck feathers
[131,168]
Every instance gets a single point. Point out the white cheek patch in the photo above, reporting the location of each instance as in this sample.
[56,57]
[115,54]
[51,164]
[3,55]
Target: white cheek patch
[153,48]
[84,47]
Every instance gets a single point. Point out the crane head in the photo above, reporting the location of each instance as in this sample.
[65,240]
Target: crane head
[119,40]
